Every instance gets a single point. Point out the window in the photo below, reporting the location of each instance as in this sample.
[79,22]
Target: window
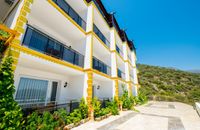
[31,91]
[35,40]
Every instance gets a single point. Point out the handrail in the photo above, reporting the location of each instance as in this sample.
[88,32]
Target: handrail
[71,12]
[59,54]
[106,69]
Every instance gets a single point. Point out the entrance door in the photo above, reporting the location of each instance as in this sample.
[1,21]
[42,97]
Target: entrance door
[54,91]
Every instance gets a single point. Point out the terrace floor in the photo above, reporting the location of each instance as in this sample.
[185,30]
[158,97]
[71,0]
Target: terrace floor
[152,116]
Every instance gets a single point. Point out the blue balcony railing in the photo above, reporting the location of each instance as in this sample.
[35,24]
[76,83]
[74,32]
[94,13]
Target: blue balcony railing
[119,51]
[100,66]
[101,36]
[71,12]
[39,41]
[120,74]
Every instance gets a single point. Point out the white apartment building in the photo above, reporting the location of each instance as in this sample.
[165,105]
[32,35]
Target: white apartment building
[69,49]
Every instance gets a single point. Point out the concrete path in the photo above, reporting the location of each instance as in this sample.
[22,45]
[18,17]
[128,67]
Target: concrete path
[153,116]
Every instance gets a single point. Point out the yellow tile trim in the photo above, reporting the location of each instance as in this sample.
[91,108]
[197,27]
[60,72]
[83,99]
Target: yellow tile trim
[116,89]
[119,55]
[102,74]
[46,57]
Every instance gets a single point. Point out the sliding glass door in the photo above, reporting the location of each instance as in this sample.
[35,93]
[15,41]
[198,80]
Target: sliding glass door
[31,91]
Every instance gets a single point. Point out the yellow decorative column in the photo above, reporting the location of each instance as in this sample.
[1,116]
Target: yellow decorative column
[116,89]
[89,81]
[20,28]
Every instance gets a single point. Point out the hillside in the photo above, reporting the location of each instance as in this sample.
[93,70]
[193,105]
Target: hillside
[169,84]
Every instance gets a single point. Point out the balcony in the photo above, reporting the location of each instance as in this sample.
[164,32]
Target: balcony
[100,66]
[101,36]
[119,51]
[120,74]
[71,12]
[42,43]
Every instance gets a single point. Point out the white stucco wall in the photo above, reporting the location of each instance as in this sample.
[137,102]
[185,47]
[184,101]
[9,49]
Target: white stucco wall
[74,90]
[105,90]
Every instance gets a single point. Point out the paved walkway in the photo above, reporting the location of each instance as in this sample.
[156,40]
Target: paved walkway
[153,116]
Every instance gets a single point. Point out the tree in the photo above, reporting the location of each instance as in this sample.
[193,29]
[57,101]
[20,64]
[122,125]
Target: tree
[11,116]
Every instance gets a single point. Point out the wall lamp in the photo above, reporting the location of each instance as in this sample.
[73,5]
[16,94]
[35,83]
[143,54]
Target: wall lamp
[65,84]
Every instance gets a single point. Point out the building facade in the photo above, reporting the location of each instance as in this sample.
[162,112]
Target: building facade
[69,49]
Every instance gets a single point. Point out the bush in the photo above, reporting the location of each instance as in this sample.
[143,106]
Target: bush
[113,106]
[141,99]
[96,106]
[4,35]
[58,119]
[75,116]
[61,117]
[104,111]
[11,116]
[83,108]
[126,102]
[41,122]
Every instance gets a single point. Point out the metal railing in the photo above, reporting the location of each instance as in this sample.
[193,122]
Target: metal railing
[29,106]
[119,51]
[100,66]
[71,12]
[41,42]
[120,74]
[101,36]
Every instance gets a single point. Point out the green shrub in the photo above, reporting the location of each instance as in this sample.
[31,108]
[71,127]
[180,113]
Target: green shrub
[41,122]
[11,116]
[83,108]
[126,102]
[75,116]
[96,106]
[113,106]
[104,111]
[141,99]
[61,117]
[4,35]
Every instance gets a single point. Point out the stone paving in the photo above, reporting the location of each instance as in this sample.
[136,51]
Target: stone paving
[152,116]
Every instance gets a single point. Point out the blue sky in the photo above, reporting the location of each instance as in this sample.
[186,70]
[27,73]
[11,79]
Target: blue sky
[166,32]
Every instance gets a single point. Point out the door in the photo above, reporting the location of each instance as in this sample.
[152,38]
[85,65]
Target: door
[54,91]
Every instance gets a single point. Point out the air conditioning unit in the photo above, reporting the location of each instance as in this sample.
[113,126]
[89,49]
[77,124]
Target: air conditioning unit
[10,2]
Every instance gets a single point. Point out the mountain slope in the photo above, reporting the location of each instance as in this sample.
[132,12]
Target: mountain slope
[169,84]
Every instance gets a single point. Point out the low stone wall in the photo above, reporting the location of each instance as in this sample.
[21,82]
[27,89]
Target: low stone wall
[198,108]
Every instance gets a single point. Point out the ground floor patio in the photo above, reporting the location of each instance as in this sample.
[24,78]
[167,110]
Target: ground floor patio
[152,116]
